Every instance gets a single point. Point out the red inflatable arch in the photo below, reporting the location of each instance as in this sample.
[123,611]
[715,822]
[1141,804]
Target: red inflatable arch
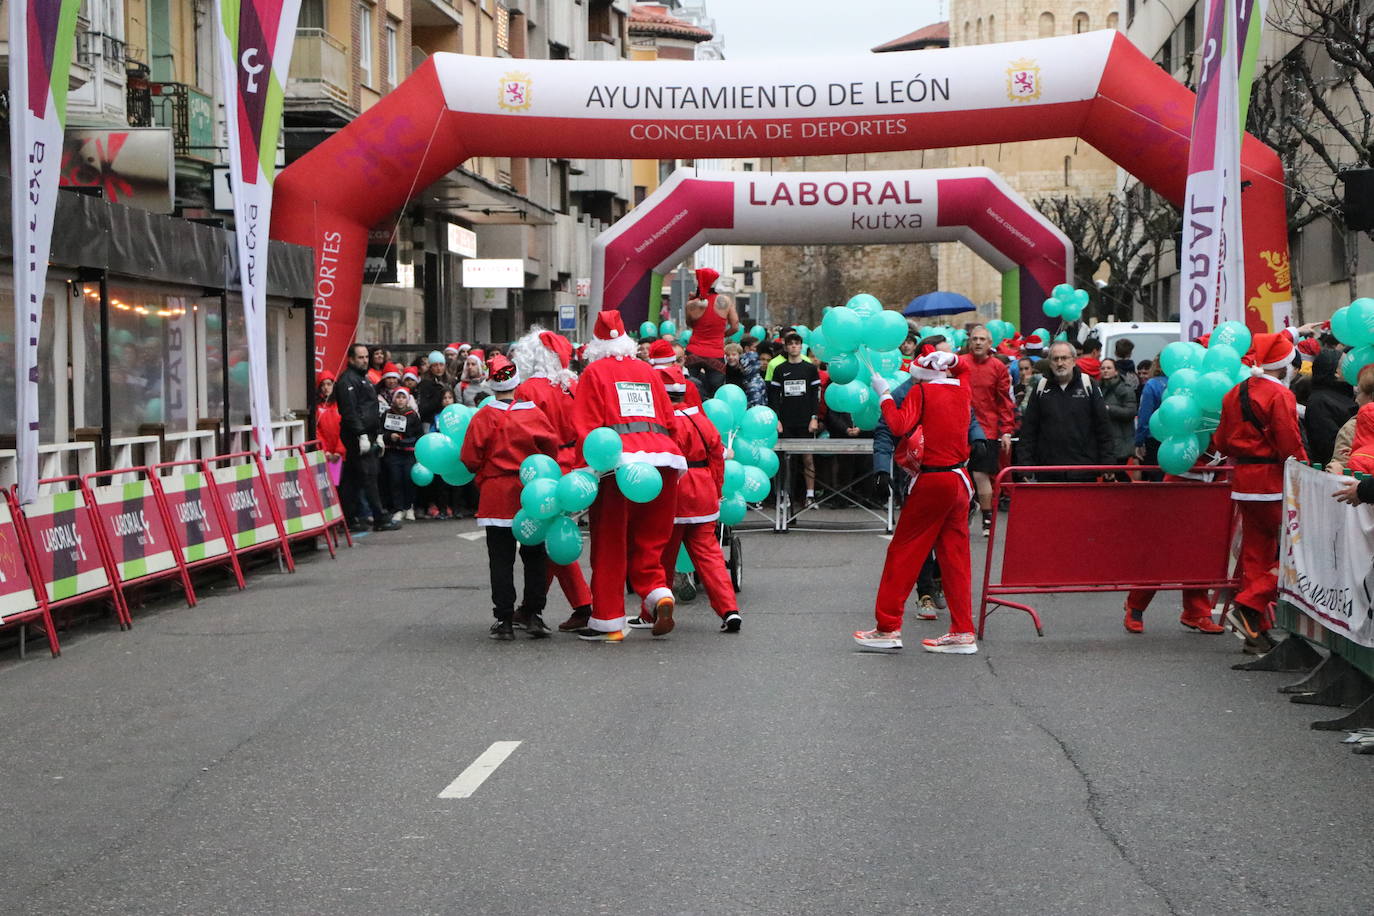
[1096,86]
[973,206]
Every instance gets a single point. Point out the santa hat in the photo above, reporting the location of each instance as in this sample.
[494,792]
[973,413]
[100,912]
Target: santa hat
[503,376]
[673,379]
[480,354]
[1205,338]
[1034,344]
[559,345]
[453,349]
[403,393]
[1271,351]
[1309,347]
[706,278]
[412,373]
[391,370]
[325,376]
[661,353]
[609,325]
[933,364]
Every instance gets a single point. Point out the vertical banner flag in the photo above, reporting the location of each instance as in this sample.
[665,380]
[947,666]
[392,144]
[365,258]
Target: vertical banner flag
[255,42]
[41,36]
[1213,261]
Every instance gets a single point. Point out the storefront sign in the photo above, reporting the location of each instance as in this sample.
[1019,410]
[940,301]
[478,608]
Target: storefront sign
[462,242]
[130,166]
[567,318]
[494,273]
[490,300]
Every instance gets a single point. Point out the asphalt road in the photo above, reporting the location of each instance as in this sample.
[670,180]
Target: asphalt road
[283,750]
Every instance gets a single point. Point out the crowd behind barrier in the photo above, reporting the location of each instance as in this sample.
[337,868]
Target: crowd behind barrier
[98,536]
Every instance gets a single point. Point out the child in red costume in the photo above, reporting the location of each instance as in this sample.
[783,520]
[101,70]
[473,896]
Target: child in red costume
[935,513]
[698,504]
[543,358]
[501,436]
[622,393]
[1258,431]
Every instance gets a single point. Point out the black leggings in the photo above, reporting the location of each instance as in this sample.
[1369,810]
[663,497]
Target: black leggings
[501,549]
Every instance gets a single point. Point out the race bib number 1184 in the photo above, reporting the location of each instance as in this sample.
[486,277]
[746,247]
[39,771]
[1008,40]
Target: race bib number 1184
[636,399]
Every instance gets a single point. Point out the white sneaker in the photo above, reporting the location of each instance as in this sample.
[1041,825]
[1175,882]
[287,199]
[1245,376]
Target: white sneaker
[877,639]
[410,515]
[952,644]
[640,623]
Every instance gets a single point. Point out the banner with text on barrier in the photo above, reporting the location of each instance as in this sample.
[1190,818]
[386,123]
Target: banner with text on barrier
[1326,556]
[64,544]
[16,586]
[292,485]
[193,514]
[140,545]
[328,497]
[244,500]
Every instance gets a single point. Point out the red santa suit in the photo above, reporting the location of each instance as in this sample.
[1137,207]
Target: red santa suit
[698,500]
[501,436]
[622,393]
[935,513]
[1258,441]
[540,354]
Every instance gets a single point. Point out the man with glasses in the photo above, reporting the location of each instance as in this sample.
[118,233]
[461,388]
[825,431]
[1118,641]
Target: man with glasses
[1066,421]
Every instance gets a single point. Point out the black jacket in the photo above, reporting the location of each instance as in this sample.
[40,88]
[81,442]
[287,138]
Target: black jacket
[429,397]
[1330,403]
[357,400]
[1066,425]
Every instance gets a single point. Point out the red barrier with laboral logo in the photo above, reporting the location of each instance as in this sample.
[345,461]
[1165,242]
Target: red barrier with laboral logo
[290,481]
[1189,523]
[249,510]
[328,495]
[69,559]
[20,601]
[195,514]
[134,525]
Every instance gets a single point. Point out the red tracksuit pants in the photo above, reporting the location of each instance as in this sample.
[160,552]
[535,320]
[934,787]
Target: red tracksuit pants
[704,549]
[627,542]
[935,514]
[1259,555]
[571,580]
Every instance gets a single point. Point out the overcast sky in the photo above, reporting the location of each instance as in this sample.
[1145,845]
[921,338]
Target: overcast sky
[756,29]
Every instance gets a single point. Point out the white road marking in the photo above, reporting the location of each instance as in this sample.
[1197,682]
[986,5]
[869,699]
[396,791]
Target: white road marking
[885,537]
[477,772]
[473,535]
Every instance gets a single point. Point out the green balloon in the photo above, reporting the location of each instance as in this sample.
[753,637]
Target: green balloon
[1359,322]
[756,485]
[438,452]
[648,330]
[766,440]
[767,462]
[734,396]
[1062,291]
[747,452]
[734,476]
[1354,361]
[539,498]
[485,401]
[803,332]
[453,421]
[1233,334]
[1211,388]
[1182,382]
[817,344]
[759,418]
[733,509]
[539,467]
[577,491]
[1179,415]
[1178,455]
[885,331]
[843,330]
[843,368]
[529,530]
[563,541]
[238,373]
[667,328]
[867,418]
[1340,326]
[758,333]
[602,448]
[721,415]
[1221,358]
[458,476]
[640,482]
[420,475]
[865,305]
[1177,355]
[885,362]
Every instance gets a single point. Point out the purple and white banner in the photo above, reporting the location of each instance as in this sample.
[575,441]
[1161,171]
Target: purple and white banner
[42,33]
[255,39]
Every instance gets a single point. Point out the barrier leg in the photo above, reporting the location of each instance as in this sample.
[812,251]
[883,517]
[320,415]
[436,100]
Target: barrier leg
[1361,716]
[1335,682]
[1002,602]
[1292,655]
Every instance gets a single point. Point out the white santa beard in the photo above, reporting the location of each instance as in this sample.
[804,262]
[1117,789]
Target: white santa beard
[596,348]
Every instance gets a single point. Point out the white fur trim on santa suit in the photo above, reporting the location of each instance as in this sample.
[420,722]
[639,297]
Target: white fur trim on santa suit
[509,384]
[614,625]
[696,519]
[657,459]
[496,522]
[620,348]
[656,595]
[664,361]
[686,411]
[511,405]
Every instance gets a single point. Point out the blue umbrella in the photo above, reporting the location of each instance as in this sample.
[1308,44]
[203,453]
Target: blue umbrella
[937,303]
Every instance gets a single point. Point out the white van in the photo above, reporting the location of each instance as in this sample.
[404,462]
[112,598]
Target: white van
[1149,337]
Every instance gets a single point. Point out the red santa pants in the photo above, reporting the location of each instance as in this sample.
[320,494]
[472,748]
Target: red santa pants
[627,541]
[702,546]
[1197,603]
[1259,554]
[935,515]
[574,585]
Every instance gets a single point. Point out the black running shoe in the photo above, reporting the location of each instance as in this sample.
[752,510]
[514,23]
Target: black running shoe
[1248,624]
[502,630]
[731,623]
[536,627]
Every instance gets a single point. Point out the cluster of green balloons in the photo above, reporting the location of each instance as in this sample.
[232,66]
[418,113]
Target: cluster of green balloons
[1199,378]
[752,432]
[957,337]
[438,453]
[1066,302]
[1000,330]
[548,501]
[854,338]
[1353,326]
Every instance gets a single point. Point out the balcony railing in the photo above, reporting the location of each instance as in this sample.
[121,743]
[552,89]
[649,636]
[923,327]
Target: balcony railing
[319,67]
[94,46]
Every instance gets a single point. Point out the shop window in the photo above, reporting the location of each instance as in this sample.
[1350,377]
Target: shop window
[153,359]
[52,382]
